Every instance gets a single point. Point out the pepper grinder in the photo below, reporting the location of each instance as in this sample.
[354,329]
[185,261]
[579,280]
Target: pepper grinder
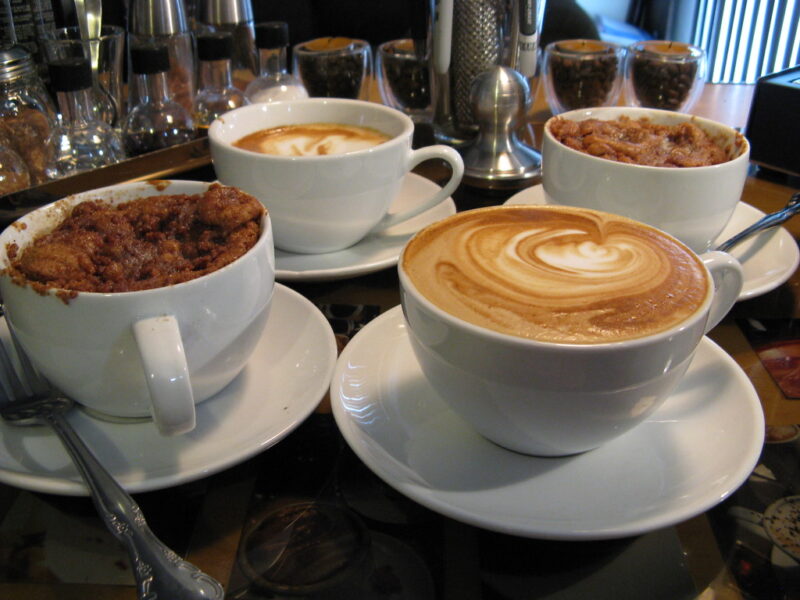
[500,98]
[82,140]
[164,22]
[236,17]
[216,94]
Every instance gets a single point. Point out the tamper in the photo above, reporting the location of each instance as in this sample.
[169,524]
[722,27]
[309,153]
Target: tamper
[497,158]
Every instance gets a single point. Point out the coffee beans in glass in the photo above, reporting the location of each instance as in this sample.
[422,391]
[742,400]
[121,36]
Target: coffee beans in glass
[333,67]
[403,79]
[582,73]
[664,74]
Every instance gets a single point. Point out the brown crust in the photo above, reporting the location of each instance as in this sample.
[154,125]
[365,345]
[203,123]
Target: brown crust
[146,243]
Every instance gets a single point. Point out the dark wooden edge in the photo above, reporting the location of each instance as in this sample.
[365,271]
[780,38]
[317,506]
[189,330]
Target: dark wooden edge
[160,164]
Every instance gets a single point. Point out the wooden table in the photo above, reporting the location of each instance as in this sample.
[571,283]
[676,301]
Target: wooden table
[55,547]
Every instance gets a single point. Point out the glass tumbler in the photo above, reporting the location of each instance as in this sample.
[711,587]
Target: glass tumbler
[403,78]
[334,67]
[582,73]
[663,74]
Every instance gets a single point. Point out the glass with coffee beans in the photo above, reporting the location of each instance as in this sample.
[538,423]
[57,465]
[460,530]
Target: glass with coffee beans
[582,73]
[333,67]
[663,74]
[401,69]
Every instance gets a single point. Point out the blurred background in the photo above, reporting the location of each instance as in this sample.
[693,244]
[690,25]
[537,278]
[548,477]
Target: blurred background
[744,39]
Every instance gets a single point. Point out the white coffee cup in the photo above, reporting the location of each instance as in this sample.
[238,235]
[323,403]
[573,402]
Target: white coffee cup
[153,352]
[326,203]
[691,203]
[551,398]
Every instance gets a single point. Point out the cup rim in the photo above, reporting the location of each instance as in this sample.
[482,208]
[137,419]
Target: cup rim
[392,43]
[709,125]
[355,44]
[407,286]
[74,199]
[608,48]
[643,46]
[215,130]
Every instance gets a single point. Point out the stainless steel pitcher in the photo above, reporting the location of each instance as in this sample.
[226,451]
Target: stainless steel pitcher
[469,37]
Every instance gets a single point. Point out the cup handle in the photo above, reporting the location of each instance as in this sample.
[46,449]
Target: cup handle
[167,374]
[728,278]
[441,151]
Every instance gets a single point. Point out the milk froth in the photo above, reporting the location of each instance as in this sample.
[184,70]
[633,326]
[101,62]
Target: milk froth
[312,139]
[556,274]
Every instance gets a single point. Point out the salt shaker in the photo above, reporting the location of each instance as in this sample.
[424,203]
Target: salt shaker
[155,120]
[216,94]
[274,82]
[27,113]
[82,140]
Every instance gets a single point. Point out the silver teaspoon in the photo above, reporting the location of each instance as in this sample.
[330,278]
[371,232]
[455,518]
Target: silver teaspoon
[160,573]
[766,222]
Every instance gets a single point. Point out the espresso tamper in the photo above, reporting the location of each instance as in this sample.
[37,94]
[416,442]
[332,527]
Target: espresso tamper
[497,158]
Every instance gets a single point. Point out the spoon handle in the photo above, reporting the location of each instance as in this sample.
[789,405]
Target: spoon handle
[766,222]
[159,572]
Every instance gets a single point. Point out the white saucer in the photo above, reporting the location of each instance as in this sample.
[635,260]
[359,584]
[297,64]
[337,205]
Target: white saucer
[282,384]
[374,252]
[688,456]
[768,259]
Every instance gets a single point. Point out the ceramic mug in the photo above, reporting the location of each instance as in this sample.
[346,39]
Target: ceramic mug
[326,203]
[154,352]
[694,204]
[558,396]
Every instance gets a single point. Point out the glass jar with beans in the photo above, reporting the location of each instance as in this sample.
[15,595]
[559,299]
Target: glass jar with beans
[663,74]
[401,69]
[582,73]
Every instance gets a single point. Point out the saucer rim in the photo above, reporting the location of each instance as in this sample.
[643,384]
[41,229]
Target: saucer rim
[742,209]
[135,481]
[367,267]
[439,501]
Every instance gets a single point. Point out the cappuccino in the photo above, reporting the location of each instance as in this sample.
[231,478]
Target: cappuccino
[312,139]
[556,274]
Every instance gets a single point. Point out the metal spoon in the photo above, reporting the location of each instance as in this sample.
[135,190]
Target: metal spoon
[766,222]
[158,571]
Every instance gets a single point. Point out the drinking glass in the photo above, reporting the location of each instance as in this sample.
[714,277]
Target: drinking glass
[582,73]
[403,78]
[664,74]
[334,67]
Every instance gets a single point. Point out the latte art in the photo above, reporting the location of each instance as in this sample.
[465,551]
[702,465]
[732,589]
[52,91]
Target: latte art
[556,274]
[312,139]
